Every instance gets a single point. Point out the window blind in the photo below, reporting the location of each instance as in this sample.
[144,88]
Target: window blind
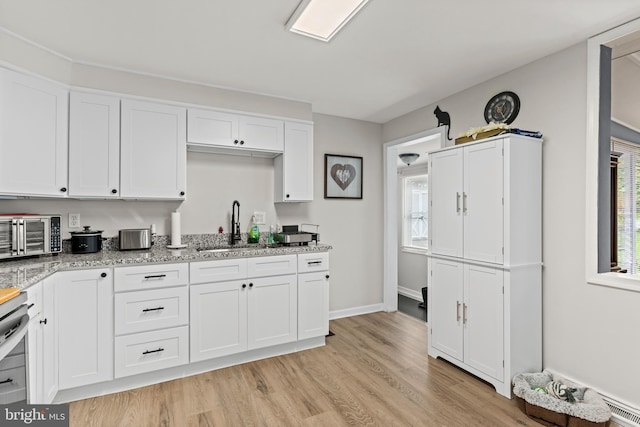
[628,204]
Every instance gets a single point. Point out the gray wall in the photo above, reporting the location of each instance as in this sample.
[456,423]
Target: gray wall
[589,332]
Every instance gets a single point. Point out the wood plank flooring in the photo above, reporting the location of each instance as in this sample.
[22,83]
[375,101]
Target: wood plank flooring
[374,372]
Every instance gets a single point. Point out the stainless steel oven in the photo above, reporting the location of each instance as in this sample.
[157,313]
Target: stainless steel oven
[29,235]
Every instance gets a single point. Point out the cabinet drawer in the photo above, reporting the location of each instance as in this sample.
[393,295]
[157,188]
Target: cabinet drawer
[308,263]
[218,271]
[13,385]
[150,276]
[150,351]
[272,266]
[153,309]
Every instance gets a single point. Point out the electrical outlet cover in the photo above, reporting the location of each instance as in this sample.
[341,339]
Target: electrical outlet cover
[74,220]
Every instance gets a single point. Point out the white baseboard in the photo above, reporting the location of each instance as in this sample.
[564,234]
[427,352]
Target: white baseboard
[410,293]
[355,311]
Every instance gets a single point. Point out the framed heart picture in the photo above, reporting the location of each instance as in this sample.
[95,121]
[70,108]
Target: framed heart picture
[342,177]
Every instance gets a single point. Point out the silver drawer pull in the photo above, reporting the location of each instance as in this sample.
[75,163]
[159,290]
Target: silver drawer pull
[153,351]
[314,262]
[7,381]
[152,309]
[156,276]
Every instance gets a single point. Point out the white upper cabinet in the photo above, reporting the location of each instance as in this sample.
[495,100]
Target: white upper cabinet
[94,145]
[212,128]
[261,133]
[294,168]
[208,129]
[466,202]
[33,136]
[153,151]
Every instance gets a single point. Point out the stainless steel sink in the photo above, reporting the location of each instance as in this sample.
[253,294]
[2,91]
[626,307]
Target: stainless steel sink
[234,249]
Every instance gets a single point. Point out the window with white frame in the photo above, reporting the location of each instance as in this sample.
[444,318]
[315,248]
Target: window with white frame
[414,224]
[627,206]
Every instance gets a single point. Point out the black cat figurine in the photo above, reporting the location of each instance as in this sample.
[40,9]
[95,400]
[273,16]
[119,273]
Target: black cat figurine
[443,119]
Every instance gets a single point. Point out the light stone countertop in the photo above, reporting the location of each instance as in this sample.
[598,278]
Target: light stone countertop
[29,271]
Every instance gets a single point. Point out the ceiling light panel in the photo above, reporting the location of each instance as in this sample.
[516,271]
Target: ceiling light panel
[322,19]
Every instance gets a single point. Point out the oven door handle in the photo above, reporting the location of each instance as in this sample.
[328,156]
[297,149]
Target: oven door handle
[22,237]
[14,237]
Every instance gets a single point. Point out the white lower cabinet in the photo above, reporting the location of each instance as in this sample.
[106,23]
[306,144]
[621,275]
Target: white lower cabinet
[467,323]
[232,311]
[313,295]
[218,319]
[84,326]
[96,325]
[151,318]
[272,310]
[42,361]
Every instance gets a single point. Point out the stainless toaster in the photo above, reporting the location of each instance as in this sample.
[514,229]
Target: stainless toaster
[135,238]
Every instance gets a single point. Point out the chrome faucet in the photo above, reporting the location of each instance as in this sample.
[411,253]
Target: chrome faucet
[235,223]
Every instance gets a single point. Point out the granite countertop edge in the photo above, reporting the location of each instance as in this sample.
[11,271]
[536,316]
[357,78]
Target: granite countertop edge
[29,271]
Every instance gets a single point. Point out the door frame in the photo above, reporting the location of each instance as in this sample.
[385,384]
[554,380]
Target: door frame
[391,200]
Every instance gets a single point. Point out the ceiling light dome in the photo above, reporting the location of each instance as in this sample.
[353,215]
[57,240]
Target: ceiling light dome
[408,158]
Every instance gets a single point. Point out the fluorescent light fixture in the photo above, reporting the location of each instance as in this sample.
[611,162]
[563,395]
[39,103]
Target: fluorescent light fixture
[322,19]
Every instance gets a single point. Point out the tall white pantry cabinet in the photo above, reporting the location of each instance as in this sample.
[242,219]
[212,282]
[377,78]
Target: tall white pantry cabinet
[485,257]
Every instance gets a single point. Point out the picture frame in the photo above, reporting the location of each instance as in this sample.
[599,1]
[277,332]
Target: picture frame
[342,177]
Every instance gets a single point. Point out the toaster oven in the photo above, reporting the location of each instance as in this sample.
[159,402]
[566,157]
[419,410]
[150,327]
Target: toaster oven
[23,235]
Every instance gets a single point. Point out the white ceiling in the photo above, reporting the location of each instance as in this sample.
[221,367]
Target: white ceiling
[394,57]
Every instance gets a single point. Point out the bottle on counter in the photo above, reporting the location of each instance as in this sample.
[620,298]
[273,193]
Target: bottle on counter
[272,232]
[254,232]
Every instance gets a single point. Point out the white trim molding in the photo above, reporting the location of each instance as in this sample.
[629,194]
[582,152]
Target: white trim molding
[615,280]
[391,216]
[410,293]
[355,311]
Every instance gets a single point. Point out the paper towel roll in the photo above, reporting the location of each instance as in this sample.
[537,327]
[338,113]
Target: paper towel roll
[175,229]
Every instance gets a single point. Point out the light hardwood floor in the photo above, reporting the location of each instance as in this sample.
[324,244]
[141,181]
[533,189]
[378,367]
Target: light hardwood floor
[375,372]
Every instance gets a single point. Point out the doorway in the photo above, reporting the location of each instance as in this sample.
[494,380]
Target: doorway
[424,142]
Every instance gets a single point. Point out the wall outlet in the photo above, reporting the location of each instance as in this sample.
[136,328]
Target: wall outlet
[260,218]
[74,220]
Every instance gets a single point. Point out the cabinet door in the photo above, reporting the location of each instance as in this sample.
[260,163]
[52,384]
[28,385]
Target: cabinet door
[445,305]
[272,309]
[153,151]
[484,320]
[212,128]
[258,133]
[313,305]
[42,355]
[84,326]
[94,145]
[218,319]
[33,136]
[293,170]
[483,202]
[445,203]
[49,342]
